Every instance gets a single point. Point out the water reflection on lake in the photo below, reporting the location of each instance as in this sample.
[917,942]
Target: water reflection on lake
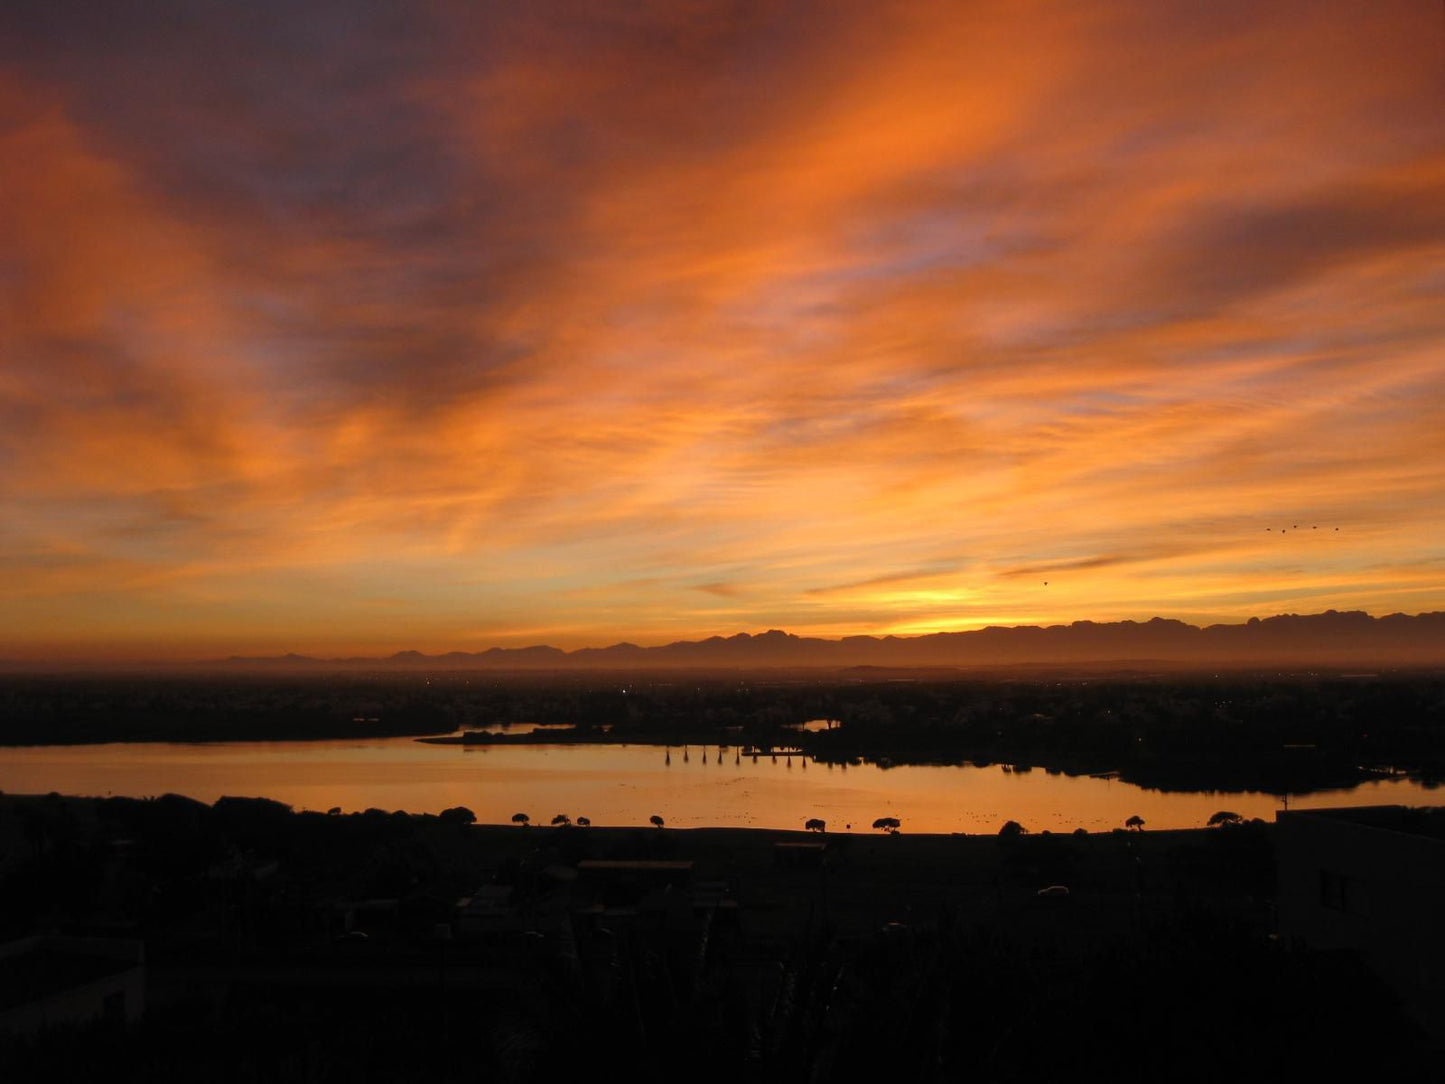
[515,729]
[626,784]
[812,726]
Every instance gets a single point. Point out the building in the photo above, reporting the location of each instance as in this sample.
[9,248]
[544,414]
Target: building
[487,910]
[624,882]
[52,980]
[1371,880]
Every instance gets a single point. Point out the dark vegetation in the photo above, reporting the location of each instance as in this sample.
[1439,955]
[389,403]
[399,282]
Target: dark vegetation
[309,947]
[1233,731]
[1230,733]
[65,709]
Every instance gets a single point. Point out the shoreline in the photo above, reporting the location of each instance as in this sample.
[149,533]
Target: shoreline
[544,834]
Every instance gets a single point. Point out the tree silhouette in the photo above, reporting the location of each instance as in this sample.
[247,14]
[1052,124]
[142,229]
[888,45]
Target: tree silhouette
[520,818]
[1012,829]
[887,824]
[816,824]
[656,820]
[458,814]
[584,822]
[561,819]
[1135,822]
[1224,817]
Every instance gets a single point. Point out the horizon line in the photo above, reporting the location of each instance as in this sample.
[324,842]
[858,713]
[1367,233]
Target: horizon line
[235,658]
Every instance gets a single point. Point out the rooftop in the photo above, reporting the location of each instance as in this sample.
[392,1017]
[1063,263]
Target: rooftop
[1427,821]
[36,972]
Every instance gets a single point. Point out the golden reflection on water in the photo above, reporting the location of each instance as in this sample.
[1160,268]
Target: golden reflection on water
[627,784]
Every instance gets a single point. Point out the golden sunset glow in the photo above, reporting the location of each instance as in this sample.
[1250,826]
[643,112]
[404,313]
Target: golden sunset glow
[349,329]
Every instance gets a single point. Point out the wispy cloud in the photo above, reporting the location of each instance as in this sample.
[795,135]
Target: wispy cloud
[579,317]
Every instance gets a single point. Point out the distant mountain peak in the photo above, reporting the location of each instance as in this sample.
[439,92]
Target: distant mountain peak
[1334,637]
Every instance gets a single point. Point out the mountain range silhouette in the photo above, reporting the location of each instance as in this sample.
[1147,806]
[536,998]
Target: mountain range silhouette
[1332,638]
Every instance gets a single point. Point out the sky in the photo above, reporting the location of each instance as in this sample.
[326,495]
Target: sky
[356,326]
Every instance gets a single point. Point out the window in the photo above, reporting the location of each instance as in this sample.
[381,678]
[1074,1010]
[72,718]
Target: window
[1339,892]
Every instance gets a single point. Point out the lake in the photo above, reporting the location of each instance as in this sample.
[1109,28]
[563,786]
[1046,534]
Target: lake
[627,784]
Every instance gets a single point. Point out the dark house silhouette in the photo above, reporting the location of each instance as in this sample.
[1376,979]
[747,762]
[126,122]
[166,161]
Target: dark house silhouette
[51,981]
[1371,880]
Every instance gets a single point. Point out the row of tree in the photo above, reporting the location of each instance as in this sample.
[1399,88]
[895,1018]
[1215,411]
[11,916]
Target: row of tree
[893,825]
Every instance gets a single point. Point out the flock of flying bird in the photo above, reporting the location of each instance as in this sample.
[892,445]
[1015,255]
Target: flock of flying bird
[1282,530]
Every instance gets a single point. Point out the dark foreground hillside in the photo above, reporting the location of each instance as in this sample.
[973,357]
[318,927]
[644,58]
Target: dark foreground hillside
[382,946]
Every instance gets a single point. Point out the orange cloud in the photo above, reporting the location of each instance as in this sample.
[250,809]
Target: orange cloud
[647,322]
